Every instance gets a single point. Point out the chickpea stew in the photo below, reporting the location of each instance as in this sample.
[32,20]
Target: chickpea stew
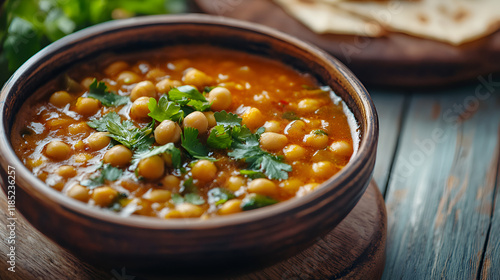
[191,132]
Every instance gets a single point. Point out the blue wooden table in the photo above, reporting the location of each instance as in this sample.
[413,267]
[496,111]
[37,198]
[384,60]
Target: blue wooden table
[438,169]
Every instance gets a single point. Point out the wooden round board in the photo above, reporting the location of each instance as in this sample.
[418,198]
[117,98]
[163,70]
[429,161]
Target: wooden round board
[355,249]
[394,60]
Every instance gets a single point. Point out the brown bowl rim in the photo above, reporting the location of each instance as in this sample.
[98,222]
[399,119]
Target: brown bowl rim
[35,187]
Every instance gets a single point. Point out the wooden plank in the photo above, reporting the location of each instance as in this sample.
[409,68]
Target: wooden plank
[491,261]
[390,113]
[439,198]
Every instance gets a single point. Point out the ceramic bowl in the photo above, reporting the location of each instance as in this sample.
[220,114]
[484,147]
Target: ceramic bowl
[252,238]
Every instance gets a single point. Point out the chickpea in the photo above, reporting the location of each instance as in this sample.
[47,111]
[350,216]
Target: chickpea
[58,150]
[230,207]
[66,171]
[294,152]
[128,78]
[262,186]
[291,186]
[196,120]
[60,98]
[318,141]
[341,148]
[234,183]
[273,141]
[253,118]
[118,156]
[87,82]
[167,132]
[296,129]
[204,170]
[196,78]
[171,182]
[220,98]
[151,168]
[87,106]
[166,85]
[210,118]
[308,105]
[104,196]
[79,192]
[98,140]
[155,73]
[158,196]
[273,126]
[77,128]
[139,109]
[188,210]
[144,88]
[324,169]
[115,68]
[82,157]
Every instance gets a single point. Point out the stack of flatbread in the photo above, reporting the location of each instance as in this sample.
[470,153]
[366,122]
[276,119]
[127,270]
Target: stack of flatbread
[452,21]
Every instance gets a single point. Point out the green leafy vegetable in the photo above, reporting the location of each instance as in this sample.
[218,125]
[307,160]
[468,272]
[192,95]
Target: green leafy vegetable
[190,197]
[168,148]
[252,174]
[165,110]
[220,138]
[130,136]
[254,201]
[290,116]
[189,96]
[227,119]
[108,173]
[218,196]
[102,123]
[320,132]
[99,91]
[228,127]
[191,143]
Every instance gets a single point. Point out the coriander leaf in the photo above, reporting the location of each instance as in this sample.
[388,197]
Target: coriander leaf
[130,136]
[188,186]
[218,196]
[241,133]
[177,198]
[199,105]
[190,142]
[208,89]
[219,138]
[108,173]
[102,123]
[194,199]
[320,132]
[252,174]
[227,119]
[274,167]
[168,148]
[165,110]
[254,201]
[99,91]
[185,92]
[290,116]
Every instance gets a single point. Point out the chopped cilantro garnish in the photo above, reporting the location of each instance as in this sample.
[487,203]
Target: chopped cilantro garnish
[189,96]
[254,201]
[130,136]
[165,110]
[168,148]
[218,196]
[108,173]
[102,123]
[99,91]
[252,174]
[290,116]
[320,132]
[227,119]
[190,197]
[220,138]
[208,89]
[190,142]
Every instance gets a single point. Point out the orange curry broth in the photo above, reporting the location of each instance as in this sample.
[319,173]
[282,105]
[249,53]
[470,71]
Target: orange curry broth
[253,81]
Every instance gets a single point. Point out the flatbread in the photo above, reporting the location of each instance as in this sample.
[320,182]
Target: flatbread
[452,21]
[325,18]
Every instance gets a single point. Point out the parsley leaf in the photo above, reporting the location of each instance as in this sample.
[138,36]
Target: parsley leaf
[130,136]
[227,119]
[320,132]
[190,142]
[218,196]
[190,197]
[168,148]
[189,96]
[99,91]
[254,201]
[165,110]
[108,173]
[290,116]
[102,123]
[220,138]
[252,174]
